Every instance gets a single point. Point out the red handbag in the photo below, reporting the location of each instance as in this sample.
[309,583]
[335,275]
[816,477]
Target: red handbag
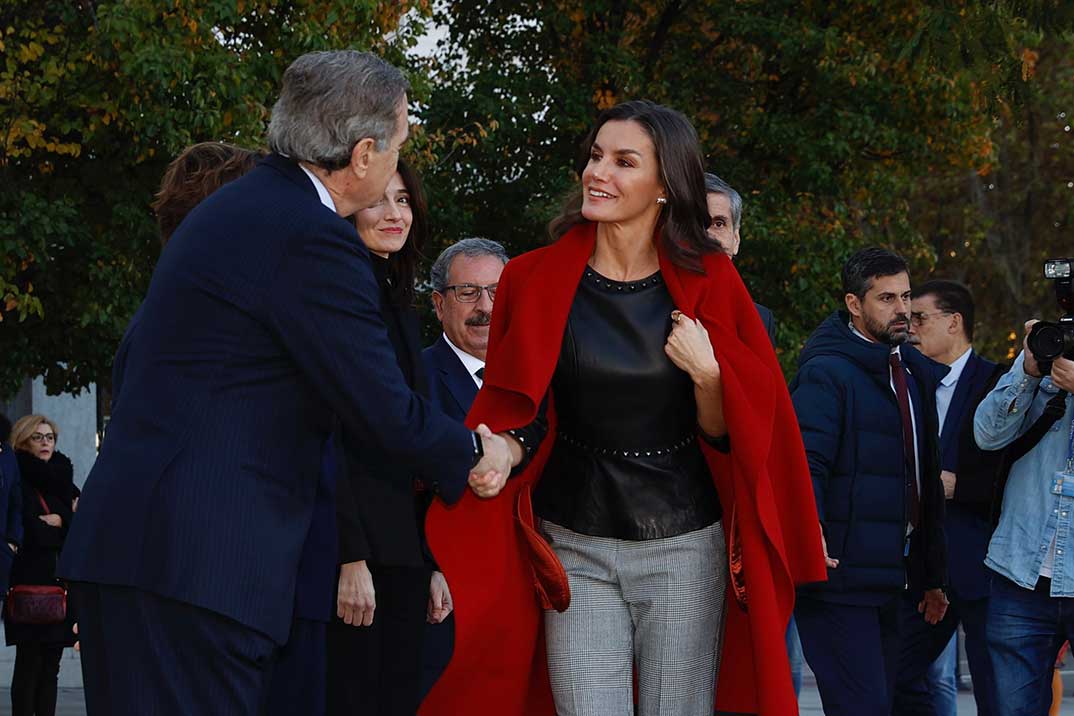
[549,577]
[36,603]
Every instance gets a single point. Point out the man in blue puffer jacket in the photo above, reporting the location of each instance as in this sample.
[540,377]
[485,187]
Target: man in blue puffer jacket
[866,407]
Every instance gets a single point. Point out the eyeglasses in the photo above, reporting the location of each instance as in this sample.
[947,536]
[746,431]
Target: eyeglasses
[471,293]
[919,317]
[43,437]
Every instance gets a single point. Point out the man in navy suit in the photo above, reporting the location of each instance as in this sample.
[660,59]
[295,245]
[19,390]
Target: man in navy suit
[261,326]
[942,322]
[464,279]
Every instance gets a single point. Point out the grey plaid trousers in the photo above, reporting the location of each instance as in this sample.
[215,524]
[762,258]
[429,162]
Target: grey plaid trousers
[655,603]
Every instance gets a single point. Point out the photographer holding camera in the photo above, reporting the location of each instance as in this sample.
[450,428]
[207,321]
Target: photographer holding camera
[1029,413]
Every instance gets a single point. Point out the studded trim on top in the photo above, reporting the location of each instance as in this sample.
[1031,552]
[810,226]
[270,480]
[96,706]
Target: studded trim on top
[683,442]
[621,286]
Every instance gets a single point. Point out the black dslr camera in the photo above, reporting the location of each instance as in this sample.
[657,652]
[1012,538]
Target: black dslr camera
[1048,341]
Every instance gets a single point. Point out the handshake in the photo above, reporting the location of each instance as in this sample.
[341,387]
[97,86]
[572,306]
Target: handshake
[502,453]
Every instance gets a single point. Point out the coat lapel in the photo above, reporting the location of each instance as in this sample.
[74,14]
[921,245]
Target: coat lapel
[454,375]
[965,386]
[526,354]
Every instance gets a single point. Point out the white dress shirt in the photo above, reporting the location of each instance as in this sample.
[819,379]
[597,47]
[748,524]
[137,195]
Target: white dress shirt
[322,192]
[946,389]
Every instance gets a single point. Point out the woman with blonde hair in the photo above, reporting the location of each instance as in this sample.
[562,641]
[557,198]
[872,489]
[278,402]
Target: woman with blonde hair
[48,495]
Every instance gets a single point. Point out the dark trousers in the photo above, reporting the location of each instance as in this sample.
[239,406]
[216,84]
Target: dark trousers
[853,651]
[152,656]
[1026,627]
[922,643]
[299,678]
[33,685]
[376,670]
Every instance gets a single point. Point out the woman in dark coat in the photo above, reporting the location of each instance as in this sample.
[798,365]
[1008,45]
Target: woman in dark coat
[48,500]
[375,643]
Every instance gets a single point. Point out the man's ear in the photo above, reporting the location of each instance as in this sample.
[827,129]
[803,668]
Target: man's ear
[362,156]
[438,305]
[853,304]
[956,323]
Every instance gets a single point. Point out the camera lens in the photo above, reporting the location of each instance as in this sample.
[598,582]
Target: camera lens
[1046,341]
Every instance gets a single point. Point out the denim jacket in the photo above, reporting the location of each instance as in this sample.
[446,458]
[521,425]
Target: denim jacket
[1034,506]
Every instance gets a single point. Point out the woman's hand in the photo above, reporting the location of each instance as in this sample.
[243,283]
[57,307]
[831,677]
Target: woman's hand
[690,349]
[440,604]
[52,520]
[357,599]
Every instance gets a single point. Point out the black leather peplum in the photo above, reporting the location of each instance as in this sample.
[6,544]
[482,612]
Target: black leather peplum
[626,463]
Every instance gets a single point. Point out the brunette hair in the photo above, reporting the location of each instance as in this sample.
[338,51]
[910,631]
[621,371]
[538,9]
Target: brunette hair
[403,264]
[24,428]
[867,265]
[684,219]
[200,170]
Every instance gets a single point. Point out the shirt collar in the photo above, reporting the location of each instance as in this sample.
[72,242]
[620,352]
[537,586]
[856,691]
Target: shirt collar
[859,334]
[471,363]
[322,192]
[956,369]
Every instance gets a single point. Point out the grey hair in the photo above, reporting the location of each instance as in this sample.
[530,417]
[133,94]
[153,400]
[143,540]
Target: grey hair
[330,101]
[716,185]
[438,274]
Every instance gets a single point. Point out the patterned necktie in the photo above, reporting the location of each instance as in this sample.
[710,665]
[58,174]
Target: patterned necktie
[902,394]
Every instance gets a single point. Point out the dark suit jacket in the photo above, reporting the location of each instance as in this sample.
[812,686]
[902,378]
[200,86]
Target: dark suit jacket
[377,509]
[451,388]
[967,524]
[314,590]
[769,322]
[261,323]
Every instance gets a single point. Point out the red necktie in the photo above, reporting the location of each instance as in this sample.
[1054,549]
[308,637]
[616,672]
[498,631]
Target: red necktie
[902,394]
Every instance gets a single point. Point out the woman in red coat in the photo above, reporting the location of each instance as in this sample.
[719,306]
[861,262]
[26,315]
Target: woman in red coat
[669,434]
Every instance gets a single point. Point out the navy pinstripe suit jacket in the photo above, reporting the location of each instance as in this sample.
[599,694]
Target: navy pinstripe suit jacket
[262,321]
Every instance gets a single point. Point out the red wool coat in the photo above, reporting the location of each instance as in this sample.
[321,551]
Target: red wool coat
[498,668]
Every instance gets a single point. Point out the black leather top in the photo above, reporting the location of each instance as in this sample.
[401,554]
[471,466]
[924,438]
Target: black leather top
[626,463]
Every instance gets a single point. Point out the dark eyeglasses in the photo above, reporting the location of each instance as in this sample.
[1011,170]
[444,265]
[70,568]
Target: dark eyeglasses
[43,437]
[919,317]
[471,293]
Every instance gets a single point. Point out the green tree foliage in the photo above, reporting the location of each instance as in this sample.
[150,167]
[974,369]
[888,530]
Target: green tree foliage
[825,115]
[842,124]
[994,226]
[95,98]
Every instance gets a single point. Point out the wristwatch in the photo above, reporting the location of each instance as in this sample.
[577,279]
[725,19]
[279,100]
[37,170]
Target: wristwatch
[479,448]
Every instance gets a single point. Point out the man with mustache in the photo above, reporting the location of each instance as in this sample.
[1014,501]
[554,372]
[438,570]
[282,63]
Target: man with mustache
[865,401]
[464,279]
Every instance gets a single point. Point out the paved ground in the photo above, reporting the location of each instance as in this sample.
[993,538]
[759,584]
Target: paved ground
[71,700]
